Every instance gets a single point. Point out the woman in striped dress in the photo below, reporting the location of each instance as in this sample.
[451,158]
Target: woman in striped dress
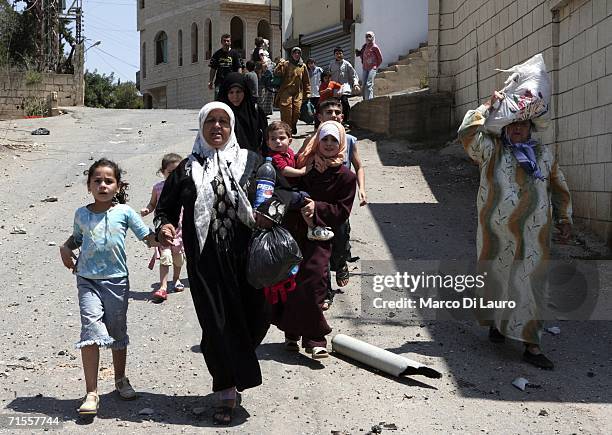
[522,195]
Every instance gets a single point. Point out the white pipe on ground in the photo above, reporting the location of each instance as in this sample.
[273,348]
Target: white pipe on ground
[380,359]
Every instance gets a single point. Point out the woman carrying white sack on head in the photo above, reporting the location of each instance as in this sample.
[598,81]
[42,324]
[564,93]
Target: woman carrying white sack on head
[522,196]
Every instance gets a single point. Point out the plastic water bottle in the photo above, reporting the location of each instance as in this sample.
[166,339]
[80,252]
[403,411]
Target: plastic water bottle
[265,182]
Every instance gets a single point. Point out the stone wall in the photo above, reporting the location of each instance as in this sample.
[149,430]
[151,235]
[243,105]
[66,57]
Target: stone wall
[416,116]
[468,39]
[16,93]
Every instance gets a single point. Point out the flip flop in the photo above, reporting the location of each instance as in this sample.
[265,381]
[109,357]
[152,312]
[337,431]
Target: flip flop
[317,352]
[342,276]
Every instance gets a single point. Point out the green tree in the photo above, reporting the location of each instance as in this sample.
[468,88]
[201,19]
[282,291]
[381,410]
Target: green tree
[99,89]
[127,96]
[102,91]
[17,36]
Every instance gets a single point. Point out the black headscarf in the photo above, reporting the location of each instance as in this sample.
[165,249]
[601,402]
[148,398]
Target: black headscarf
[251,122]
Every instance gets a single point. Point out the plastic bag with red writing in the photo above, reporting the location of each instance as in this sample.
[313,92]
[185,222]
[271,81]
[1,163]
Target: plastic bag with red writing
[527,96]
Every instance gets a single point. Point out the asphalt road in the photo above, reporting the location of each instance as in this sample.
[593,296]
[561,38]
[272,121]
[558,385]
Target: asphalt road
[422,207]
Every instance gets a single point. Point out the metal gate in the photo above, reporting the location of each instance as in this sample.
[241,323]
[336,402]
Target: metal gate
[323,52]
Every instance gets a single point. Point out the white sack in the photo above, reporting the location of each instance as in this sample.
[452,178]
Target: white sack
[527,92]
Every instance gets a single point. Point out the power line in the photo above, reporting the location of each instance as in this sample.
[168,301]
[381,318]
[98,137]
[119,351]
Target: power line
[120,60]
[114,68]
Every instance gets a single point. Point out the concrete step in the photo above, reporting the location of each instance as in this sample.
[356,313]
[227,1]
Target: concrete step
[409,71]
[412,69]
[419,61]
[386,86]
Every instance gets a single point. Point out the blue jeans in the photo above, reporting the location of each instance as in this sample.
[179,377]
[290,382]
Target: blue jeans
[103,304]
[368,84]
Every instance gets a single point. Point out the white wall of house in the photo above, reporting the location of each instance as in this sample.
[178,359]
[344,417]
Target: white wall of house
[399,25]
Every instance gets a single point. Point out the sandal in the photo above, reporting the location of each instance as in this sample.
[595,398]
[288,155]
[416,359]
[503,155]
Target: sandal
[538,359]
[326,304]
[223,415]
[317,352]
[90,405]
[178,287]
[342,276]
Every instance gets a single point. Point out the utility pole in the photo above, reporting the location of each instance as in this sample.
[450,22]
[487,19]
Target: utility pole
[50,32]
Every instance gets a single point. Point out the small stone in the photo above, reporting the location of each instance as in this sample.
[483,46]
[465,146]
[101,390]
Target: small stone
[146,411]
[52,244]
[49,199]
[198,410]
[590,374]
[543,413]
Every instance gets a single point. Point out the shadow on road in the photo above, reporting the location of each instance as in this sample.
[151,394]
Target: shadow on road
[446,230]
[276,352]
[166,409]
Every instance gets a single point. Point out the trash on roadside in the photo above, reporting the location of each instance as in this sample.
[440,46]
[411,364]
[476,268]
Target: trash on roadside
[554,330]
[41,132]
[82,164]
[52,244]
[543,413]
[49,199]
[380,359]
[18,230]
[522,383]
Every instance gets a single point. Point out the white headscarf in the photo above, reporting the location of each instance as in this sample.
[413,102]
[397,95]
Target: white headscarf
[216,161]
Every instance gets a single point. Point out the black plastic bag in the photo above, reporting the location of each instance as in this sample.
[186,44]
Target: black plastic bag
[272,255]
[307,112]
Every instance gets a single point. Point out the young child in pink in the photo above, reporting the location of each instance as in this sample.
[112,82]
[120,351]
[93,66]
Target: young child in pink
[175,255]
[283,158]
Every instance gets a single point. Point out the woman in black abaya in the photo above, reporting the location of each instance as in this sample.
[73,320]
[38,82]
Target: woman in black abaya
[217,224]
[251,121]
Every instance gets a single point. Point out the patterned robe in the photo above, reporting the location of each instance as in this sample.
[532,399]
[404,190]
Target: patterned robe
[516,213]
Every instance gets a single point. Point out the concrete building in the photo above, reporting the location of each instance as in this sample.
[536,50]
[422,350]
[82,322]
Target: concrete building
[319,25]
[468,39]
[178,38]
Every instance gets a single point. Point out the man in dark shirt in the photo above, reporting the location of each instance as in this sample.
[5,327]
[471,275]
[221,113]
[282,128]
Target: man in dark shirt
[224,61]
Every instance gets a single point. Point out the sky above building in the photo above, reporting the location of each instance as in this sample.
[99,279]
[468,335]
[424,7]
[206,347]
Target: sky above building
[113,22]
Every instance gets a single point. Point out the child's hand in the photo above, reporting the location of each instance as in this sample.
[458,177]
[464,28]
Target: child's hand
[151,242]
[262,221]
[144,212]
[167,234]
[363,199]
[309,166]
[68,257]
[308,211]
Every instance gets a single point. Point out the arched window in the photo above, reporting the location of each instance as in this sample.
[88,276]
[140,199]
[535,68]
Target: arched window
[208,42]
[237,32]
[180,48]
[143,55]
[161,48]
[194,42]
[265,31]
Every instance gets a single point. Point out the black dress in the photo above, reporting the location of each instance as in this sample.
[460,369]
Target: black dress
[233,315]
